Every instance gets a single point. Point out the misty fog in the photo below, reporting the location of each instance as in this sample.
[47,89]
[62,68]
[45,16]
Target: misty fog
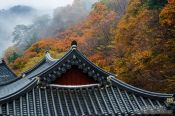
[24,25]
[11,17]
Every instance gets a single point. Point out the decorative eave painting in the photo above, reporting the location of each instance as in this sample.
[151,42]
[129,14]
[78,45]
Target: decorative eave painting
[87,57]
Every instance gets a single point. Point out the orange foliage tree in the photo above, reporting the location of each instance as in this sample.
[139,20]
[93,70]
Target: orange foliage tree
[167,18]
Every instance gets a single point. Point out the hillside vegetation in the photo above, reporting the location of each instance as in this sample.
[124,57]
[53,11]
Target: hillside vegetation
[134,39]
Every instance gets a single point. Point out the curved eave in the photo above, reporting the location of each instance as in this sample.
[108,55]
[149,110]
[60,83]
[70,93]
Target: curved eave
[81,56]
[56,63]
[35,67]
[49,58]
[46,59]
[138,91]
[115,82]
[9,81]
[15,76]
[15,93]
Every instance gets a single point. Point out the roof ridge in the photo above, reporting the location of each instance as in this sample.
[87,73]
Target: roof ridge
[73,86]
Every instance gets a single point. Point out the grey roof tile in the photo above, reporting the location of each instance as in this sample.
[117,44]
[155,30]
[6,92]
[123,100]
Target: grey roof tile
[43,65]
[6,74]
[58,101]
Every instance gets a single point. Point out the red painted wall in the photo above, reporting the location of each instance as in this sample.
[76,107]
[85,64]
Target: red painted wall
[74,76]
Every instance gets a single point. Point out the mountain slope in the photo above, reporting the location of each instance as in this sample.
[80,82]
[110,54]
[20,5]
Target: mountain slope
[146,46]
[138,43]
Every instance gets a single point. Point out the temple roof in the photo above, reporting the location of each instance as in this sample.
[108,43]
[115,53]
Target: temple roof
[6,74]
[38,94]
[87,100]
[43,65]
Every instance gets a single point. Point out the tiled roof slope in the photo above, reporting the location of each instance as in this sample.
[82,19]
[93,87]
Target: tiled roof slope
[6,74]
[43,65]
[109,96]
[92,100]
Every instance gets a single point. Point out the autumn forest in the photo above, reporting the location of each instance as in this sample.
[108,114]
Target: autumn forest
[134,39]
